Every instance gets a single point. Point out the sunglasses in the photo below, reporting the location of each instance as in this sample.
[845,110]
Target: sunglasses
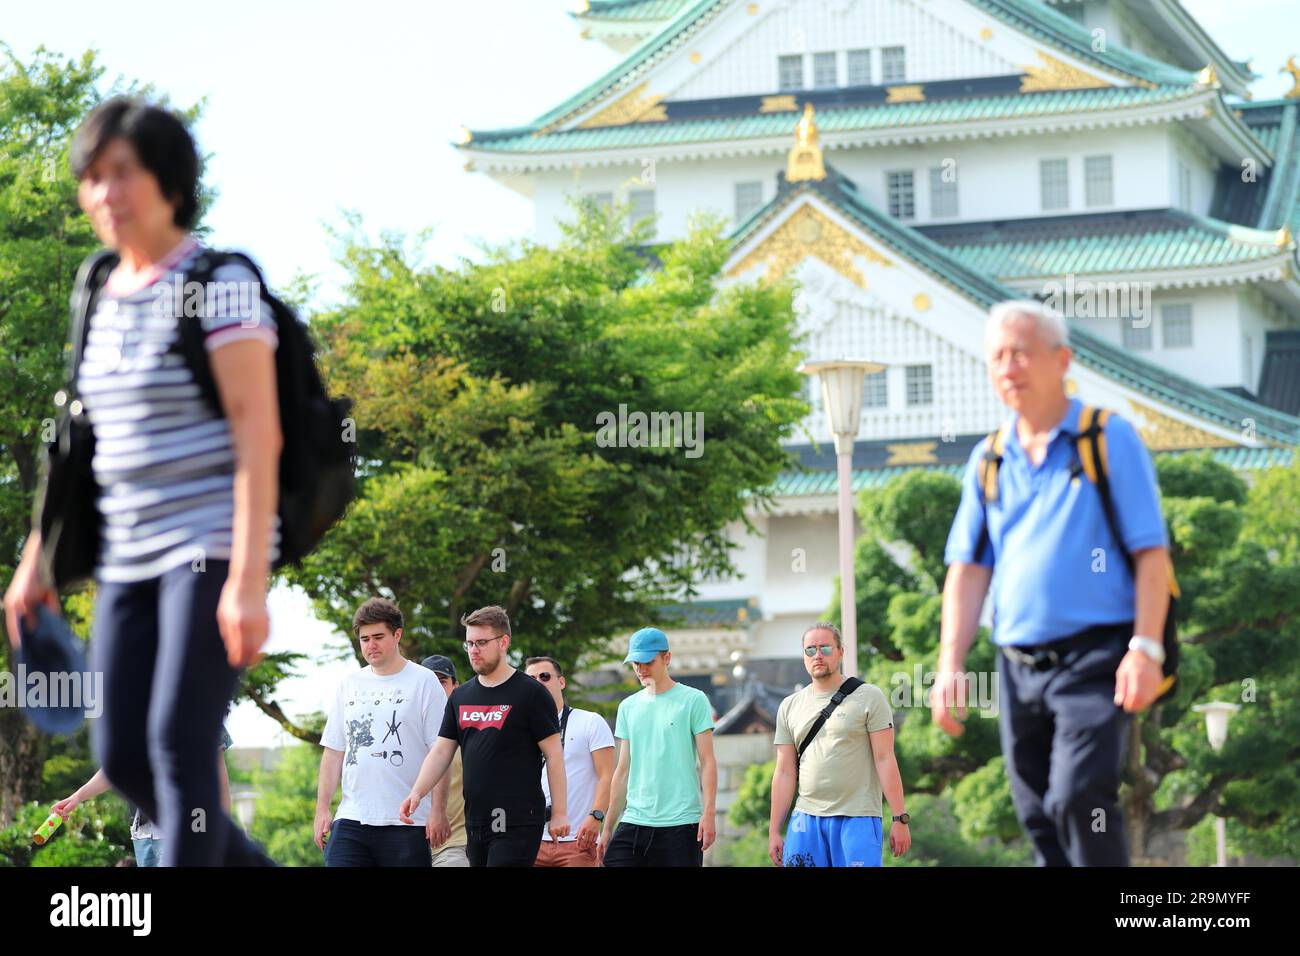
[544,677]
[826,650]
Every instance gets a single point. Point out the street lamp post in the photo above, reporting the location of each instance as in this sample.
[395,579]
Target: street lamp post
[841,381]
[1216,728]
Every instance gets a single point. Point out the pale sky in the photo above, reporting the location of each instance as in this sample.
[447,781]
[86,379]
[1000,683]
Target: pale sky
[316,108]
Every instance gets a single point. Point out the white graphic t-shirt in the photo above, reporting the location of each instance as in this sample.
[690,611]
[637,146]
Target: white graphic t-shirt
[585,732]
[385,726]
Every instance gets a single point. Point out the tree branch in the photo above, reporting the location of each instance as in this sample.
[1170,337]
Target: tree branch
[463,583]
[518,591]
[1182,818]
[272,710]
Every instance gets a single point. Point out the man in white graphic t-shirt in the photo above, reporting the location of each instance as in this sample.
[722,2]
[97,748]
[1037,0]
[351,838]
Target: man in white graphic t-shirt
[589,772]
[381,725]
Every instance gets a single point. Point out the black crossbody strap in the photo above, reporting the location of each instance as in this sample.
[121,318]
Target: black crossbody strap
[564,726]
[90,281]
[848,687]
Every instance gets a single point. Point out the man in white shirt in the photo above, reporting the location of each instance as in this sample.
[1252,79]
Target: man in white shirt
[383,722]
[589,770]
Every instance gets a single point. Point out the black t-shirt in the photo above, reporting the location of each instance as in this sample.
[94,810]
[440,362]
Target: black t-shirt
[498,729]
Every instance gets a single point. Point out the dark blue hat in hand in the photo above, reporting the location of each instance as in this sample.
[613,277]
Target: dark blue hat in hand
[51,650]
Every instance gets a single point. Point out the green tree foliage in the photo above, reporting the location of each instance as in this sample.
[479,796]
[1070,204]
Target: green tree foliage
[286,807]
[480,393]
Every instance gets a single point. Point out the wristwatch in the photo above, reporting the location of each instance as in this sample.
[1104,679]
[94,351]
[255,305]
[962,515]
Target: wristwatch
[904,818]
[600,817]
[1151,648]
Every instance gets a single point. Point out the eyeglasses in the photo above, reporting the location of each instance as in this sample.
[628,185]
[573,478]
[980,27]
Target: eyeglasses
[544,677]
[826,650]
[479,645]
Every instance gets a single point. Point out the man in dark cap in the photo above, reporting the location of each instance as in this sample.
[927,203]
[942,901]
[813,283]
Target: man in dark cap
[451,853]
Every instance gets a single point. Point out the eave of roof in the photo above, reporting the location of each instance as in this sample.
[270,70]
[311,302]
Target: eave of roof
[831,119]
[824,482]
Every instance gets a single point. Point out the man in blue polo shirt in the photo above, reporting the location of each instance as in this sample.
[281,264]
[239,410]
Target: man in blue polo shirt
[1079,633]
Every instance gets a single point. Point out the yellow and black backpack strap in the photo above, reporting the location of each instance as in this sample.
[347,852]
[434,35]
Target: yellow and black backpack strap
[1096,466]
[991,462]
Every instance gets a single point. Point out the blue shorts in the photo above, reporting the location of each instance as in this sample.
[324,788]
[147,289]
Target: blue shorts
[832,841]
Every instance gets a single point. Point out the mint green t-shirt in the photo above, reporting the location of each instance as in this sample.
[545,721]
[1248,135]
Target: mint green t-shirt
[663,784]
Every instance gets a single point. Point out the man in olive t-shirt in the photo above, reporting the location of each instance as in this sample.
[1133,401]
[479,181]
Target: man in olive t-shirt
[837,818]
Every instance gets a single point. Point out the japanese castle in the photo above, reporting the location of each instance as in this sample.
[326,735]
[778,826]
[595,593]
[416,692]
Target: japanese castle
[911,162]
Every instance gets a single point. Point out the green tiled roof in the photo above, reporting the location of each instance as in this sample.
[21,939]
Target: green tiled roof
[1181,241]
[1032,17]
[830,120]
[708,613]
[811,483]
[1147,378]
[1284,183]
[632,9]
[1039,20]
[644,54]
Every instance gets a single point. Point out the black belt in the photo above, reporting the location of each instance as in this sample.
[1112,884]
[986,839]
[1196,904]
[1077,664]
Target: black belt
[1043,657]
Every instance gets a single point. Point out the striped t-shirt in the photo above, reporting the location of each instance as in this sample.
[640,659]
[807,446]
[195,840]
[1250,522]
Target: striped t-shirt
[164,458]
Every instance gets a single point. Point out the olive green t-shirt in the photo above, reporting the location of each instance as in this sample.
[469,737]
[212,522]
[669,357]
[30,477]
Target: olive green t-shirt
[837,775]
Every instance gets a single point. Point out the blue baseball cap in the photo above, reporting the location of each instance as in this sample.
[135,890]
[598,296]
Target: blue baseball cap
[645,644]
[51,650]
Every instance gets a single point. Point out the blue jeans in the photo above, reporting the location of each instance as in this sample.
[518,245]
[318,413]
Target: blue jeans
[148,852]
[832,841]
[166,687]
[359,844]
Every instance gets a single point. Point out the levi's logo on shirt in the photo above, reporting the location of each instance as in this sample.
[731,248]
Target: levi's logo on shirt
[482,717]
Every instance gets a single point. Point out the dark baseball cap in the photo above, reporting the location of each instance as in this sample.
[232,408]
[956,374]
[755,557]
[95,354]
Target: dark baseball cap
[50,649]
[441,665]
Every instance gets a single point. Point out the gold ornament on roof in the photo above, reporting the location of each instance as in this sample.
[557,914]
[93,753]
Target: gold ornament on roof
[1163,433]
[810,234]
[806,157]
[912,93]
[1208,77]
[1054,74]
[1284,237]
[783,103]
[1295,75]
[913,453]
[633,107]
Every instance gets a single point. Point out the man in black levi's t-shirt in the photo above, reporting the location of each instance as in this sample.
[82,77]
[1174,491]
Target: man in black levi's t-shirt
[506,726]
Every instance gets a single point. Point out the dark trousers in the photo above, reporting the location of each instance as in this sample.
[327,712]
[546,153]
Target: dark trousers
[636,845]
[166,688]
[1063,740]
[508,846]
[358,844]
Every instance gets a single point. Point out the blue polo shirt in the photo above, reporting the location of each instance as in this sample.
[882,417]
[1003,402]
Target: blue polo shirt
[1056,567]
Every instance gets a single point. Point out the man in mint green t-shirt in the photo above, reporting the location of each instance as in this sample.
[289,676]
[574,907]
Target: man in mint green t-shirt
[665,755]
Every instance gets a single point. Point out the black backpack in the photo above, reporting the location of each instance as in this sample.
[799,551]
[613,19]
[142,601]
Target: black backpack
[317,460]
